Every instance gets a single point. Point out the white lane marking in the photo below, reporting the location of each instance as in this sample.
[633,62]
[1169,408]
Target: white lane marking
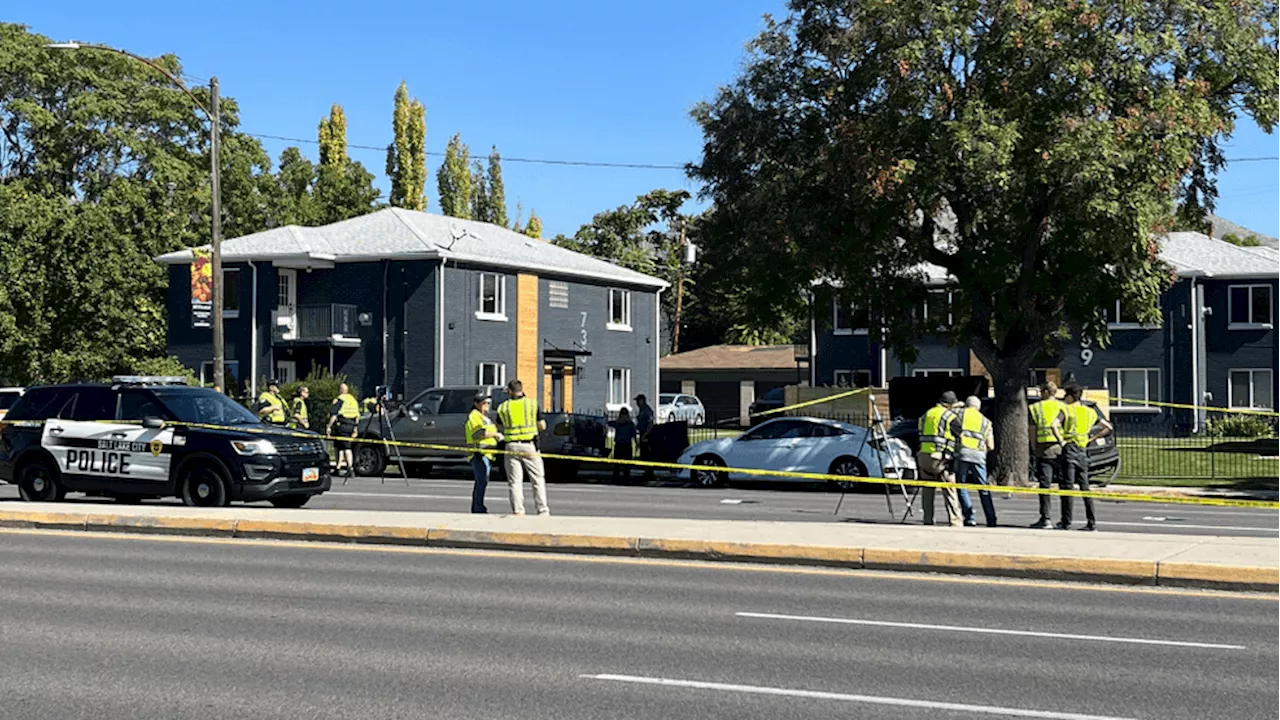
[1176,525]
[398,496]
[847,697]
[988,631]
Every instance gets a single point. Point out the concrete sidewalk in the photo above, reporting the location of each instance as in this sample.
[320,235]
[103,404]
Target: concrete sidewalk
[1193,561]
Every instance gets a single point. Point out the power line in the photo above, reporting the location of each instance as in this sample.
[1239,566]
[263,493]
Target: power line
[1252,159]
[505,159]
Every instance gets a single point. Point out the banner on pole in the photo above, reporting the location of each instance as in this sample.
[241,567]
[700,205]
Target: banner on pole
[201,288]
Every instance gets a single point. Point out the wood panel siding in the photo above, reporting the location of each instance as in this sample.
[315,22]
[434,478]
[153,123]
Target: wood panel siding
[527,332]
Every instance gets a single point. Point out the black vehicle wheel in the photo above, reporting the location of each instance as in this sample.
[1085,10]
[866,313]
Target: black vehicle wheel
[697,421]
[203,486]
[848,466]
[290,501]
[39,482]
[709,478]
[369,460]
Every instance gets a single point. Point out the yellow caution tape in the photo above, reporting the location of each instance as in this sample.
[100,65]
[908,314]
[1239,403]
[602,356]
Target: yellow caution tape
[808,403]
[1126,403]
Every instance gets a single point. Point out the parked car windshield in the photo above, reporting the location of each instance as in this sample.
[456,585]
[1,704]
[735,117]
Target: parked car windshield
[666,399]
[205,406]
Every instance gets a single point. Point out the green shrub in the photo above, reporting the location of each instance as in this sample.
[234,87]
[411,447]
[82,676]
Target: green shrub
[1240,426]
[324,388]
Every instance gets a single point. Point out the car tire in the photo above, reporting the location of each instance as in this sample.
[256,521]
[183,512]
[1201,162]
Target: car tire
[848,466]
[369,459]
[290,501]
[698,420]
[203,485]
[38,481]
[709,478]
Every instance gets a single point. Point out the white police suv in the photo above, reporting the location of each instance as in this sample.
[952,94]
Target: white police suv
[149,437]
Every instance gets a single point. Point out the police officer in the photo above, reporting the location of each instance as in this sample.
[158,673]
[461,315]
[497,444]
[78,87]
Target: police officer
[482,436]
[345,413]
[1078,428]
[298,409]
[644,428]
[270,405]
[1046,445]
[934,460]
[520,421]
[973,430]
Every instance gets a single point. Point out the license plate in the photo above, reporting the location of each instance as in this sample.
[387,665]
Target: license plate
[311,475]
[1100,442]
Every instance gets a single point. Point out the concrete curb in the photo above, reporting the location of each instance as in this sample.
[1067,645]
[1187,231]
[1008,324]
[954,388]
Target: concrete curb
[1097,570]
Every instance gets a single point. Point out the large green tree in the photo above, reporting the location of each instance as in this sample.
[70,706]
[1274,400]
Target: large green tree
[453,179]
[343,187]
[534,227]
[407,153]
[1030,149]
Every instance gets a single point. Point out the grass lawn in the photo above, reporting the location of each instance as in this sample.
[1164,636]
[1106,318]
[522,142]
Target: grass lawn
[1196,462]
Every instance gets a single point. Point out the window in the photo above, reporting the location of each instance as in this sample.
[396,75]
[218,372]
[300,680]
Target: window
[458,402]
[286,371]
[847,319]
[778,429]
[231,370]
[492,297]
[619,387]
[91,404]
[1251,390]
[230,293]
[619,310]
[7,399]
[1119,318]
[1130,389]
[937,372]
[1248,306]
[428,403]
[39,404]
[491,373]
[558,294]
[286,290]
[136,405]
[852,378]
[937,309]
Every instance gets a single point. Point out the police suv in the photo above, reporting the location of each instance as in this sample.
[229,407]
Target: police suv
[147,437]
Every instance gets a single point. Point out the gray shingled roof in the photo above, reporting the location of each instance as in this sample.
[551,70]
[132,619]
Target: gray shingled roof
[395,233]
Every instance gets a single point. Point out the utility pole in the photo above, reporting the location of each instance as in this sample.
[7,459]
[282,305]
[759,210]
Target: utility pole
[215,175]
[675,333]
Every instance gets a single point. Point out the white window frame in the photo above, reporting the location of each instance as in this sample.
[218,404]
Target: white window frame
[499,373]
[500,314]
[206,373]
[836,313]
[625,374]
[230,314]
[838,374]
[625,325]
[925,311]
[558,294]
[926,372]
[1117,405]
[1126,325]
[1233,402]
[286,371]
[1250,325]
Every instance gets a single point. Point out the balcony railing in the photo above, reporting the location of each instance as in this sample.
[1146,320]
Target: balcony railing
[320,322]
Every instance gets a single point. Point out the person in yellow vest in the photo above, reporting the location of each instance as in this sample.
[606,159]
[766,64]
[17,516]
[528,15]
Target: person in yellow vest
[270,405]
[1078,429]
[934,459]
[298,409]
[482,437]
[520,421]
[1045,431]
[345,414]
[974,439]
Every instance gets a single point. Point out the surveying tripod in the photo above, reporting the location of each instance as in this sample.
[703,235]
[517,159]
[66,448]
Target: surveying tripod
[386,431]
[880,438]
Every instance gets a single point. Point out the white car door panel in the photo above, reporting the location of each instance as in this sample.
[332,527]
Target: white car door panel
[119,451]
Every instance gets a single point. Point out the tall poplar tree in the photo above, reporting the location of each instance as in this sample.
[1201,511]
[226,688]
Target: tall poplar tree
[496,194]
[407,154]
[453,180]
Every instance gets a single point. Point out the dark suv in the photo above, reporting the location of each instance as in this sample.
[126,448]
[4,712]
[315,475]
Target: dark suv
[155,437]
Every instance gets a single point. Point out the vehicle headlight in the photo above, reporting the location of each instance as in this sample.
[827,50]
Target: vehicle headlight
[254,447]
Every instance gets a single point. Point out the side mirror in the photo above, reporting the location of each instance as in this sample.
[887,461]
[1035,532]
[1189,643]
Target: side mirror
[152,423]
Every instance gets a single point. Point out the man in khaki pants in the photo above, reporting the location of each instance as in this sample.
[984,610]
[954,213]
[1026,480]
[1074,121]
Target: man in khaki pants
[934,459]
[520,421]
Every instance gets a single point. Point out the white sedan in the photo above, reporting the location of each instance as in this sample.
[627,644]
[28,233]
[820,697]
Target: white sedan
[798,444]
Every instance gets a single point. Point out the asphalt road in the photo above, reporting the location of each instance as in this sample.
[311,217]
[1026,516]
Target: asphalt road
[100,626]
[762,502]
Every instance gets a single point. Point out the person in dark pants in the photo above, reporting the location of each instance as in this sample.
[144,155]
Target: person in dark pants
[624,434]
[1078,429]
[482,437]
[644,426]
[1046,445]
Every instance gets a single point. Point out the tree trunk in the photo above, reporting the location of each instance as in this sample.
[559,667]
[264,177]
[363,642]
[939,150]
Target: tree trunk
[1009,416]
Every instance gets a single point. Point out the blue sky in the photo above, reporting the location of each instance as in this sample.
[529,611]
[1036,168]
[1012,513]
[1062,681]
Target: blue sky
[587,80]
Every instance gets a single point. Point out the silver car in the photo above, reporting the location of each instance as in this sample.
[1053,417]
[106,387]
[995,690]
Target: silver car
[674,407]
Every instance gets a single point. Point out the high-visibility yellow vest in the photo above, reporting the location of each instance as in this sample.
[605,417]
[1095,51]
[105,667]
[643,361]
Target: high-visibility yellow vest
[300,409]
[935,430]
[1043,414]
[519,419]
[477,424]
[1080,420]
[348,408]
[973,429]
[275,403]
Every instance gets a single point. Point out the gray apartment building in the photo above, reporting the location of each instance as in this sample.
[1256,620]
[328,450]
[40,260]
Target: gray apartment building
[412,300]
